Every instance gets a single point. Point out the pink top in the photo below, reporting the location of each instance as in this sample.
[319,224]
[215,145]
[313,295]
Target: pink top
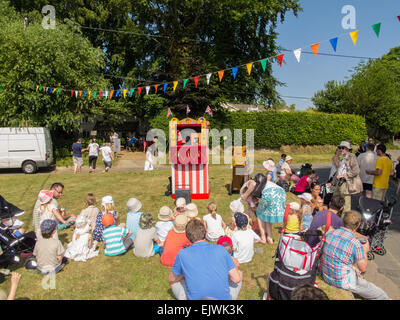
[302,184]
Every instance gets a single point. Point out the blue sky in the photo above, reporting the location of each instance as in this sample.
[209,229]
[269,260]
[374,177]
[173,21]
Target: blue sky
[320,21]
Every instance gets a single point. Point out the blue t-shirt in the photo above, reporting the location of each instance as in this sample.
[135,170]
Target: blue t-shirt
[132,223]
[77,148]
[206,269]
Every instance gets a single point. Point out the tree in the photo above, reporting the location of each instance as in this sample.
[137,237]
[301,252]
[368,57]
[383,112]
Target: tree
[34,58]
[331,99]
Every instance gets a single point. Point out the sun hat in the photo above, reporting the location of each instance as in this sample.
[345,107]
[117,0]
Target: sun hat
[107,220]
[305,196]
[294,206]
[191,210]
[345,144]
[107,199]
[241,220]
[146,220]
[269,165]
[45,196]
[180,223]
[288,158]
[133,205]
[48,226]
[224,241]
[180,202]
[165,213]
[236,206]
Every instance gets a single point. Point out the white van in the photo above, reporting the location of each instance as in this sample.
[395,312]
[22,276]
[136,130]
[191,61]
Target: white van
[26,148]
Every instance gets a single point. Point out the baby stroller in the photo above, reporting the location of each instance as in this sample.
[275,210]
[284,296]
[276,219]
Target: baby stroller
[296,262]
[376,219]
[13,248]
[305,167]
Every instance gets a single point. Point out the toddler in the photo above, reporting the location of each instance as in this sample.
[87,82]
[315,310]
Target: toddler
[293,223]
[180,207]
[165,224]
[213,223]
[146,235]
[226,242]
[306,210]
[133,216]
[91,211]
[117,239]
[80,248]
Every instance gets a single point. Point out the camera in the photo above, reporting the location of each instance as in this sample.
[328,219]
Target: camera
[341,181]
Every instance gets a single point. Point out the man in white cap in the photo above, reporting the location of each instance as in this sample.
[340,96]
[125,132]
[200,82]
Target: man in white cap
[348,175]
[133,216]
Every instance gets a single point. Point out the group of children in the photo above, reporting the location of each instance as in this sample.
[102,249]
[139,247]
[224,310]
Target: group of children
[147,237]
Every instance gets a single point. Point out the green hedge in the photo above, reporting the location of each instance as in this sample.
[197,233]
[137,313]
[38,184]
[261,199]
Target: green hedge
[274,129]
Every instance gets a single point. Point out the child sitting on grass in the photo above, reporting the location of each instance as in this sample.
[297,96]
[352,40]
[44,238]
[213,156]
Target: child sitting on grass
[107,207]
[294,222]
[306,210]
[165,224]
[213,223]
[49,252]
[226,242]
[146,235]
[243,239]
[91,211]
[117,239]
[180,208]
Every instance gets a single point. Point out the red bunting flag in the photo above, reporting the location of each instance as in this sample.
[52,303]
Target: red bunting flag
[139,91]
[280,59]
[398,17]
[209,111]
[72,93]
[196,81]
[221,74]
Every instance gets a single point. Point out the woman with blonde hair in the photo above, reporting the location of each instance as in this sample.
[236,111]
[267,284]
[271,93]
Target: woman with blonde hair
[213,223]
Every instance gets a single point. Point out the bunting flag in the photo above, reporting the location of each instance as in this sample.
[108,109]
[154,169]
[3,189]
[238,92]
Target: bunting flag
[280,59]
[94,94]
[106,94]
[398,17]
[76,93]
[175,84]
[249,66]
[132,90]
[314,48]
[117,93]
[184,83]
[297,54]
[187,109]
[377,28]
[124,92]
[37,88]
[264,63]
[169,112]
[334,43]
[99,94]
[111,94]
[208,77]
[72,93]
[354,36]
[139,90]
[221,75]
[196,81]
[209,111]
[165,86]
[84,93]
[155,87]
[90,93]
[234,72]
[147,89]
[80,93]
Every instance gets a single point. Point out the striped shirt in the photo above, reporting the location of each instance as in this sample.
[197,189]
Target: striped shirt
[113,237]
[341,250]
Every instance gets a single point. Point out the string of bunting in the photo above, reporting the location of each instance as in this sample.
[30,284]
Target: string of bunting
[118,93]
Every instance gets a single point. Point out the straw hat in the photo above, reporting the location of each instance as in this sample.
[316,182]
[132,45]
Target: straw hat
[45,196]
[133,205]
[191,210]
[288,158]
[180,223]
[165,214]
[269,165]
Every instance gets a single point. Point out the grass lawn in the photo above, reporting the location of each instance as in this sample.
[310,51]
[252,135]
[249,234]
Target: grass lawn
[126,277]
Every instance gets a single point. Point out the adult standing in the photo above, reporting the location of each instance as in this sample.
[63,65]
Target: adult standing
[367,161]
[335,163]
[384,169]
[77,155]
[107,155]
[350,172]
[344,258]
[148,165]
[93,149]
[204,269]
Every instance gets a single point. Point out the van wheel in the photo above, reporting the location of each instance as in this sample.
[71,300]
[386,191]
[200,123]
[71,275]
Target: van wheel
[29,167]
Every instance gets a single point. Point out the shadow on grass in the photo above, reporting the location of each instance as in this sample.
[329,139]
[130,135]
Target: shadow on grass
[261,281]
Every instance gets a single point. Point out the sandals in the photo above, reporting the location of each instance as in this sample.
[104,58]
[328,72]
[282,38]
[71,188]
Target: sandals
[270,240]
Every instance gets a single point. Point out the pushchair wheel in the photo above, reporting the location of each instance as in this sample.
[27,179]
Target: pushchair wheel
[230,190]
[370,256]
[380,251]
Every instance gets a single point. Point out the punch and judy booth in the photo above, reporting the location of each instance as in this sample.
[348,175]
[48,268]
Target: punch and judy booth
[188,155]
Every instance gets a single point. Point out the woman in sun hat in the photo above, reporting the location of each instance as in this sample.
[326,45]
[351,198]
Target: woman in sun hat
[133,216]
[269,165]
[175,241]
[107,206]
[146,243]
[164,224]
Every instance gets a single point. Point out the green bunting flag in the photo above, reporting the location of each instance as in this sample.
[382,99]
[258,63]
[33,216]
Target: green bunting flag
[184,83]
[377,28]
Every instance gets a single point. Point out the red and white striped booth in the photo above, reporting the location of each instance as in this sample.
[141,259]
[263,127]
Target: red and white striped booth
[189,156]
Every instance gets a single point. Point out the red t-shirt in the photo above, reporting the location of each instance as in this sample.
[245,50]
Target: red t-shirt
[173,243]
[302,185]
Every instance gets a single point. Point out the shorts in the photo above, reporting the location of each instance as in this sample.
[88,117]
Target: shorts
[108,164]
[367,186]
[379,194]
[78,161]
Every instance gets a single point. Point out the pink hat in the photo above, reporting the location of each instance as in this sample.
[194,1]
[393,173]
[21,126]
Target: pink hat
[45,196]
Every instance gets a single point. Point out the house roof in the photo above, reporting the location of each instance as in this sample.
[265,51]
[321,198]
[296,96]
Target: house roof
[242,107]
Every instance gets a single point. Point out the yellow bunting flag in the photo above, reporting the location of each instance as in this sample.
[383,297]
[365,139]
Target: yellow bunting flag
[221,74]
[175,84]
[249,66]
[124,92]
[37,88]
[314,48]
[90,92]
[354,36]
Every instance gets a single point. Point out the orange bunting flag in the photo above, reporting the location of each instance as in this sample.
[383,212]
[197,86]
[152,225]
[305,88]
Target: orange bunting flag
[80,93]
[155,87]
[221,75]
[314,48]
[280,59]
[111,93]
[249,66]
[175,84]
[196,81]
[354,36]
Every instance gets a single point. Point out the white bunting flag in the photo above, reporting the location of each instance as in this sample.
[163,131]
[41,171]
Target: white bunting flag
[297,54]
[208,76]
[147,89]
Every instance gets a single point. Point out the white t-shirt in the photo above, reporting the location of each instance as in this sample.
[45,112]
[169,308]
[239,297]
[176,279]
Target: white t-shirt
[243,244]
[367,161]
[286,166]
[214,227]
[106,153]
[93,150]
[162,229]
